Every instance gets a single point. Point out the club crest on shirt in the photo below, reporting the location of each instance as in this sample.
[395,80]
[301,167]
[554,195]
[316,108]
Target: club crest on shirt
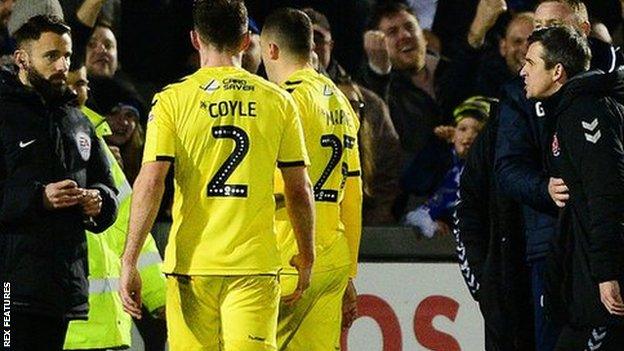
[83,141]
[556,151]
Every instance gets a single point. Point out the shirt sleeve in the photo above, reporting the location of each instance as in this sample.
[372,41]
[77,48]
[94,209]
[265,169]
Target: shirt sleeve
[160,136]
[593,145]
[351,206]
[292,151]
[351,147]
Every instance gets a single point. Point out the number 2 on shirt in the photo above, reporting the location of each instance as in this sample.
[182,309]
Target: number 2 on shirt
[333,142]
[217,186]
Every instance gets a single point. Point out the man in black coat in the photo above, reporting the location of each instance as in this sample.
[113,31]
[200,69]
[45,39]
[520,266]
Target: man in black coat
[55,183]
[520,167]
[490,249]
[584,126]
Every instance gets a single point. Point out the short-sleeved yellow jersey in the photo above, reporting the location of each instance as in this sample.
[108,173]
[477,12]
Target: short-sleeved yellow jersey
[330,129]
[225,131]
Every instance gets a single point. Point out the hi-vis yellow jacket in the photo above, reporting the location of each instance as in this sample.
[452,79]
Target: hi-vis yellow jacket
[108,325]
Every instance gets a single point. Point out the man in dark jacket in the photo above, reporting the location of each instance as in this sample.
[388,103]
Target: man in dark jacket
[55,182]
[519,161]
[398,71]
[584,123]
[488,231]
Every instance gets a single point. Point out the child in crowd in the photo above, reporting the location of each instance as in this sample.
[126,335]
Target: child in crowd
[434,216]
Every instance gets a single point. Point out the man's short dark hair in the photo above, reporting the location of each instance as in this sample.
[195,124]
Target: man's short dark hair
[38,25]
[292,29]
[317,18]
[563,45]
[221,23]
[386,9]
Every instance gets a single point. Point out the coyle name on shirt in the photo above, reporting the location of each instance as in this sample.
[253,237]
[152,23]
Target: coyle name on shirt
[230,108]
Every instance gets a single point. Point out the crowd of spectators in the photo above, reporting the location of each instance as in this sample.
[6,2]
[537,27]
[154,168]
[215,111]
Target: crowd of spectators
[407,65]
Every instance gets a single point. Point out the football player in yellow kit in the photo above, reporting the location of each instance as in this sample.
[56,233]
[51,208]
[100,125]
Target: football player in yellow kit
[330,128]
[226,130]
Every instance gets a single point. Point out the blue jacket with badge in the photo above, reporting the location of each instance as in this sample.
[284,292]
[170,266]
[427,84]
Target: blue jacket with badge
[43,253]
[520,168]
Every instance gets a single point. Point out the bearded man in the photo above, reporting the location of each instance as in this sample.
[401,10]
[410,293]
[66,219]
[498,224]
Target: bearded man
[55,183]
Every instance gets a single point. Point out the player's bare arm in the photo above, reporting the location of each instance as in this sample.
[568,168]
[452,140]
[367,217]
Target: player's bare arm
[147,194]
[300,207]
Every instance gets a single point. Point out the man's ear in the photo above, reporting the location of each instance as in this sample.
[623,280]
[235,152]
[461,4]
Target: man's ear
[21,58]
[559,73]
[274,51]
[245,42]
[195,39]
[586,28]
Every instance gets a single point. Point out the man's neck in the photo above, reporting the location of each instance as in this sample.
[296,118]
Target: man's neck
[287,69]
[214,58]
[422,78]
[22,76]
[555,89]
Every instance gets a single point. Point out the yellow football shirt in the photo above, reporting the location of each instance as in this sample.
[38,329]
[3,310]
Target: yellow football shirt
[330,129]
[225,130]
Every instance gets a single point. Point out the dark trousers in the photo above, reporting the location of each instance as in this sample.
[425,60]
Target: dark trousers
[33,332]
[546,332]
[153,331]
[508,321]
[591,339]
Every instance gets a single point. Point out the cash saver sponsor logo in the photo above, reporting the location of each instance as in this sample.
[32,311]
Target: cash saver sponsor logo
[237,84]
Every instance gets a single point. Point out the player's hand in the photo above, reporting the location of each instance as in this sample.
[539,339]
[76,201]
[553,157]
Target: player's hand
[62,194]
[91,202]
[446,133]
[611,297]
[130,290]
[349,306]
[376,48]
[558,191]
[304,267]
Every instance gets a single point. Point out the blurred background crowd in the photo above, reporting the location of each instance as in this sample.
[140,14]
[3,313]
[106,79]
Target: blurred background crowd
[421,74]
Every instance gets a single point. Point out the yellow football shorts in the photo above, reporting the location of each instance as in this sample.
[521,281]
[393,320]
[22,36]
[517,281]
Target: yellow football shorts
[229,313]
[314,322]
